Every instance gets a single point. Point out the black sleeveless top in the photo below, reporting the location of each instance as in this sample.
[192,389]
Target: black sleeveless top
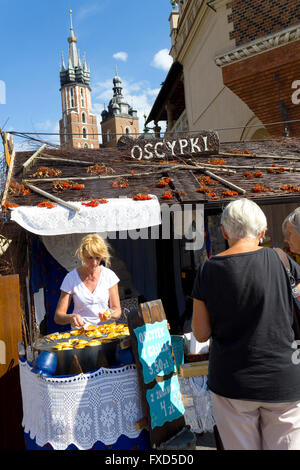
[248,298]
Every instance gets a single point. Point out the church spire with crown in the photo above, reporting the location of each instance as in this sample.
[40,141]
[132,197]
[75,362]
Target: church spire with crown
[78,126]
[73,54]
[74,72]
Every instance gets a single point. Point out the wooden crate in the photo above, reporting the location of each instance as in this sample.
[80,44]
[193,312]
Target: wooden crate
[194,369]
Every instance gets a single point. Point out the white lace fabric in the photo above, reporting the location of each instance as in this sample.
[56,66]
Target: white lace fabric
[81,409]
[118,214]
[198,406]
[101,406]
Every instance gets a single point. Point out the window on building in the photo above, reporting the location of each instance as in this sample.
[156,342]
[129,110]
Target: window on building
[72,98]
[83,117]
[82,97]
[86,146]
[127,131]
[108,135]
[84,133]
[92,146]
[79,145]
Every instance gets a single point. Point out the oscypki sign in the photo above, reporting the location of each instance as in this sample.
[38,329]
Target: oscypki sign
[207,142]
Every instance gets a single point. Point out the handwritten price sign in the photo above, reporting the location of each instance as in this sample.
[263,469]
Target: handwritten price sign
[154,348]
[165,402]
[158,379]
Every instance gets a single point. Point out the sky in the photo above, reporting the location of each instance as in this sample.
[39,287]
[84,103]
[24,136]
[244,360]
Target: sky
[132,35]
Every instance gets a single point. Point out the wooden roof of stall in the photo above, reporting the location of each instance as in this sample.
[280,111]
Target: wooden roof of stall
[273,167]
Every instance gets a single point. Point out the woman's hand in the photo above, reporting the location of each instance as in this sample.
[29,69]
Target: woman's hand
[76,320]
[104,316]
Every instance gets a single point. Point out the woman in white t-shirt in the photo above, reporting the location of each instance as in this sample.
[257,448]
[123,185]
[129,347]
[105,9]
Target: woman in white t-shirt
[93,287]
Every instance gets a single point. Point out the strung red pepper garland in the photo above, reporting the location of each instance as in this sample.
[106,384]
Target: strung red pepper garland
[9,205]
[164,182]
[258,188]
[141,197]
[95,202]
[251,174]
[230,193]
[46,204]
[290,187]
[167,195]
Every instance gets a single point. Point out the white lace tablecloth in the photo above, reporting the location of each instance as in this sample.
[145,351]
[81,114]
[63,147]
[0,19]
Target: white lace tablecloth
[118,214]
[81,409]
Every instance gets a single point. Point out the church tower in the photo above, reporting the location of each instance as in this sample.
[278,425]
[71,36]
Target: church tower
[119,119]
[78,126]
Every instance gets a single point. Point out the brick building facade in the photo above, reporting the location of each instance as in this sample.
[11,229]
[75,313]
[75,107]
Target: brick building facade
[253,19]
[264,66]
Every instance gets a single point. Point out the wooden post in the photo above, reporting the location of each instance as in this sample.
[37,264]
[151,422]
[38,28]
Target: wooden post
[11,432]
[158,380]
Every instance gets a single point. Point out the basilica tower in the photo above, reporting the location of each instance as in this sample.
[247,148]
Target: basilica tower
[78,126]
[119,119]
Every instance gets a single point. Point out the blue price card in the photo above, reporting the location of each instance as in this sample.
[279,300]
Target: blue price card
[165,402]
[154,348]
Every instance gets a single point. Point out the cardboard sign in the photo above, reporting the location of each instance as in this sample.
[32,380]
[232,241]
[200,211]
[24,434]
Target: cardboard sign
[154,348]
[205,142]
[165,402]
[158,380]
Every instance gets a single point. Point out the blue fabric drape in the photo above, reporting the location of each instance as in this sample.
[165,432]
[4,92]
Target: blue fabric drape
[140,259]
[48,274]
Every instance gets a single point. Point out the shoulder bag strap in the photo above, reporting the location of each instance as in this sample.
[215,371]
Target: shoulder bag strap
[284,259]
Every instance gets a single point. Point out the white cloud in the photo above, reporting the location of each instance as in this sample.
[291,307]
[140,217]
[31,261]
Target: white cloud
[44,126]
[121,56]
[153,92]
[25,145]
[162,60]
[87,11]
[48,127]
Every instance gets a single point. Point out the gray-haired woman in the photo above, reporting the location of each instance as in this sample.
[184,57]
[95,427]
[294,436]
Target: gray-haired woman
[291,230]
[242,301]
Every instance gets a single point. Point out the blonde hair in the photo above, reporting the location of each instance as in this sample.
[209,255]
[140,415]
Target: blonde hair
[94,245]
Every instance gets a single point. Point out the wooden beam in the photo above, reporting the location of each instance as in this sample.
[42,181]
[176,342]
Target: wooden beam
[249,155]
[45,156]
[29,162]
[8,178]
[225,182]
[130,175]
[50,196]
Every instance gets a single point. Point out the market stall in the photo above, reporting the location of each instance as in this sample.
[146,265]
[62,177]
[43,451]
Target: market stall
[52,197]
[105,408]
